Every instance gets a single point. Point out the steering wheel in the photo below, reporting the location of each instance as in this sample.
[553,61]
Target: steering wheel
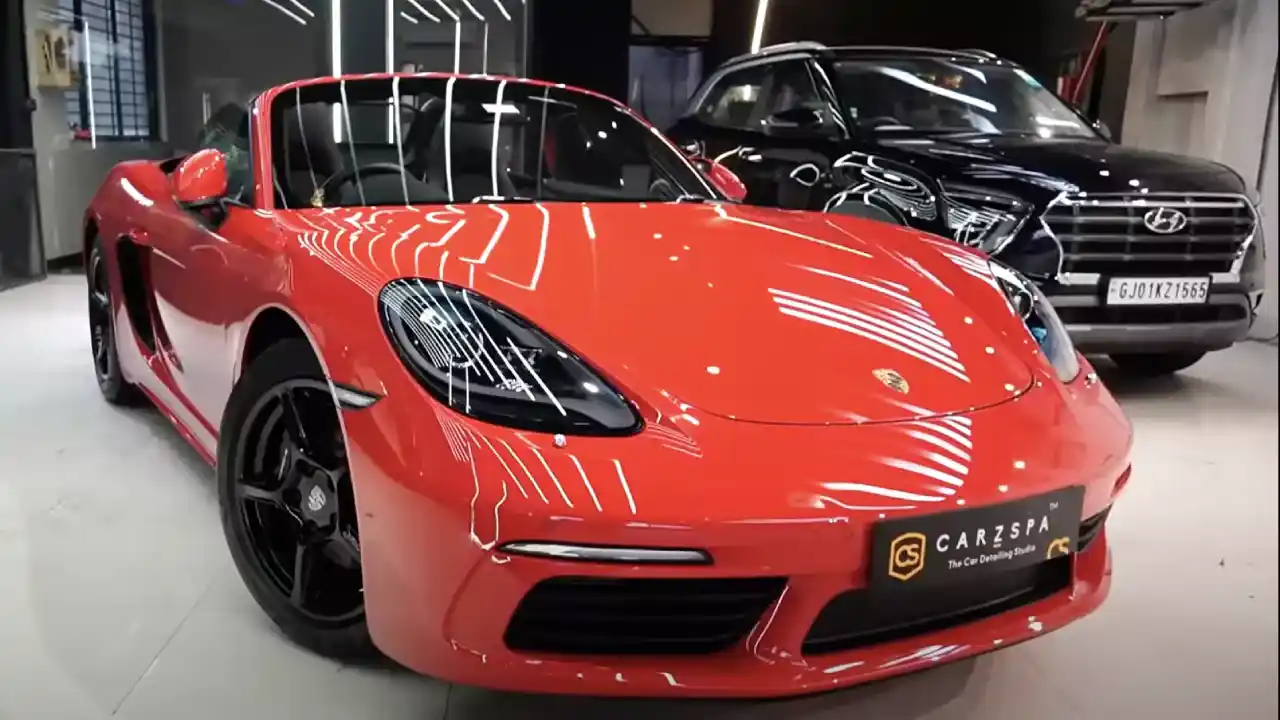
[346,176]
[662,188]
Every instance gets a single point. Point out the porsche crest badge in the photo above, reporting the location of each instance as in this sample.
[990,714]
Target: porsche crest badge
[892,380]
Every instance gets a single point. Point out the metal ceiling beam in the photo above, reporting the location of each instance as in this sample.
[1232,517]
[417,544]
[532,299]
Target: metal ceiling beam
[1122,10]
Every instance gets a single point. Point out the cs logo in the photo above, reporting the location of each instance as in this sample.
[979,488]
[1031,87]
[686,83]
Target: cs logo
[1059,547]
[906,556]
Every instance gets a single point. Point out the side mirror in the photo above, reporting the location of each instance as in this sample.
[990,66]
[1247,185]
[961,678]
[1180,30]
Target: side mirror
[694,149]
[1102,129]
[724,179]
[797,120]
[201,180]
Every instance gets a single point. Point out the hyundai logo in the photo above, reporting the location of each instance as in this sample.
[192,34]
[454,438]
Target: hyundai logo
[1165,221]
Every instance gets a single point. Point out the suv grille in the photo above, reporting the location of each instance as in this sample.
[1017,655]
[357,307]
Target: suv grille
[613,616]
[1106,234]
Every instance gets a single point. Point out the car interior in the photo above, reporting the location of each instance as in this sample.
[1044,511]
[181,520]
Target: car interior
[544,148]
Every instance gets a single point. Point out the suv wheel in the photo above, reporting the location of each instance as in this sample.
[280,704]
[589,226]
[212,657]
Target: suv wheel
[1156,365]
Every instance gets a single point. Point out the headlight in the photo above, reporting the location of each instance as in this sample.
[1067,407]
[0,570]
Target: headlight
[484,361]
[983,218]
[1042,321]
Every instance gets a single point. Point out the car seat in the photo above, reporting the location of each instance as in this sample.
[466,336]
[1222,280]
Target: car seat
[308,155]
[470,161]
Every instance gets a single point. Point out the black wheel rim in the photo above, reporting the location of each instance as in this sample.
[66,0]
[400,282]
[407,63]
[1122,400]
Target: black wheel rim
[100,334]
[294,496]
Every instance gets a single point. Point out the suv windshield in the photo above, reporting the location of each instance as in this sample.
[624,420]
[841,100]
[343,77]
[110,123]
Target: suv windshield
[423,139]
[942,96]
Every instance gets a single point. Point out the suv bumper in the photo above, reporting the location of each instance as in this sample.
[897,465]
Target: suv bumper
[1097,329]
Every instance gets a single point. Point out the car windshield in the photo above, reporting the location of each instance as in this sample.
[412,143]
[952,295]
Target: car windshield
[435,139]
[944,96]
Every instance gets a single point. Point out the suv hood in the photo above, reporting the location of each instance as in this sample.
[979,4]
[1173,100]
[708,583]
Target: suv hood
[745,313]
[1090,165]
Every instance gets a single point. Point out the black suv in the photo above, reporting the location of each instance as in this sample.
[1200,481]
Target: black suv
[1151,258]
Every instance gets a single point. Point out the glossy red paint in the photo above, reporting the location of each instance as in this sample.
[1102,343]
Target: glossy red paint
[201,178]
[726,180]
[748,337]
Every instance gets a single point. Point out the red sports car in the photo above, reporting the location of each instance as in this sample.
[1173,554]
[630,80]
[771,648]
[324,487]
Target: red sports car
[501,384]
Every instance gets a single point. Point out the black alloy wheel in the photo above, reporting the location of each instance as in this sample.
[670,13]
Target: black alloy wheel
[288,505]
[102,334]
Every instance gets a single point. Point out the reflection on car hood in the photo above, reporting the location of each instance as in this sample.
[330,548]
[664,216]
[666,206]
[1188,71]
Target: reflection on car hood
[1089,165]
[747,313]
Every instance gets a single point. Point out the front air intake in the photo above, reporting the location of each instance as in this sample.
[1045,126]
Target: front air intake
[859,618]
[641,616]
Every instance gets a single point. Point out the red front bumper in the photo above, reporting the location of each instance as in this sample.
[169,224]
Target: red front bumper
[439,494]
[768,663]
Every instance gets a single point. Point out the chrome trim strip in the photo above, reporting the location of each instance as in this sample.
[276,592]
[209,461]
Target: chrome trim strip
[1077,279]
[1151,201]
[595,553]
[352,399]
[1076,301]
[701,95]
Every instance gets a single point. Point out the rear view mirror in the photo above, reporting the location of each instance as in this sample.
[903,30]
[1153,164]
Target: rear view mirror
[201,180]
[798,120]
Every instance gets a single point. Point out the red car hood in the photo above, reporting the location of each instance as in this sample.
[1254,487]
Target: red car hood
[746,313]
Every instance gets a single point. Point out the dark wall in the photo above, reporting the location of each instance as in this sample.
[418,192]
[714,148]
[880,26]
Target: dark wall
[233,52]
[15,119]
[1035,33]
[585,43]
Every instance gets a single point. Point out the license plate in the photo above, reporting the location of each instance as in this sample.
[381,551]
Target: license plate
[964,544]
[1158,291]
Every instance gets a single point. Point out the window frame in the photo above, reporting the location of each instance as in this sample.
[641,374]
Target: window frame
[148,71]
[769,90]
[712,97]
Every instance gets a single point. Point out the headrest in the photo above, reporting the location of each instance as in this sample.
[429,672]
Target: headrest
[308,140]
[471,145]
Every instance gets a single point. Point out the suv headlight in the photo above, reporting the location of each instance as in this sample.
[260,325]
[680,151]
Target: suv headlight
[1042,321]
[982,218]
[486,362]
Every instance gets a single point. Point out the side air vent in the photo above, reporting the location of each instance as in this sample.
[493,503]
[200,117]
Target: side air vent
[133,262]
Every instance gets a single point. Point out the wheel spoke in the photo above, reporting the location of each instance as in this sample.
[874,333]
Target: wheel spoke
[101,301]
[304,560]
[346,547]
[288,460]
[260,495]
[293,419]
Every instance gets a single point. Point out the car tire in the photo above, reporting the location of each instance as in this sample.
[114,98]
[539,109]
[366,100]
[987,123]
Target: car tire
[261,518]
[102,334]
[1151,365]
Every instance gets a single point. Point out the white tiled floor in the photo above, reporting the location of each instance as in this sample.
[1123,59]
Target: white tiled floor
[117,596]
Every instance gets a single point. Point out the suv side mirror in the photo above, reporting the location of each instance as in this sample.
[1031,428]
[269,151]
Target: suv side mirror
[799,120]
[201,180]
[1102,129]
